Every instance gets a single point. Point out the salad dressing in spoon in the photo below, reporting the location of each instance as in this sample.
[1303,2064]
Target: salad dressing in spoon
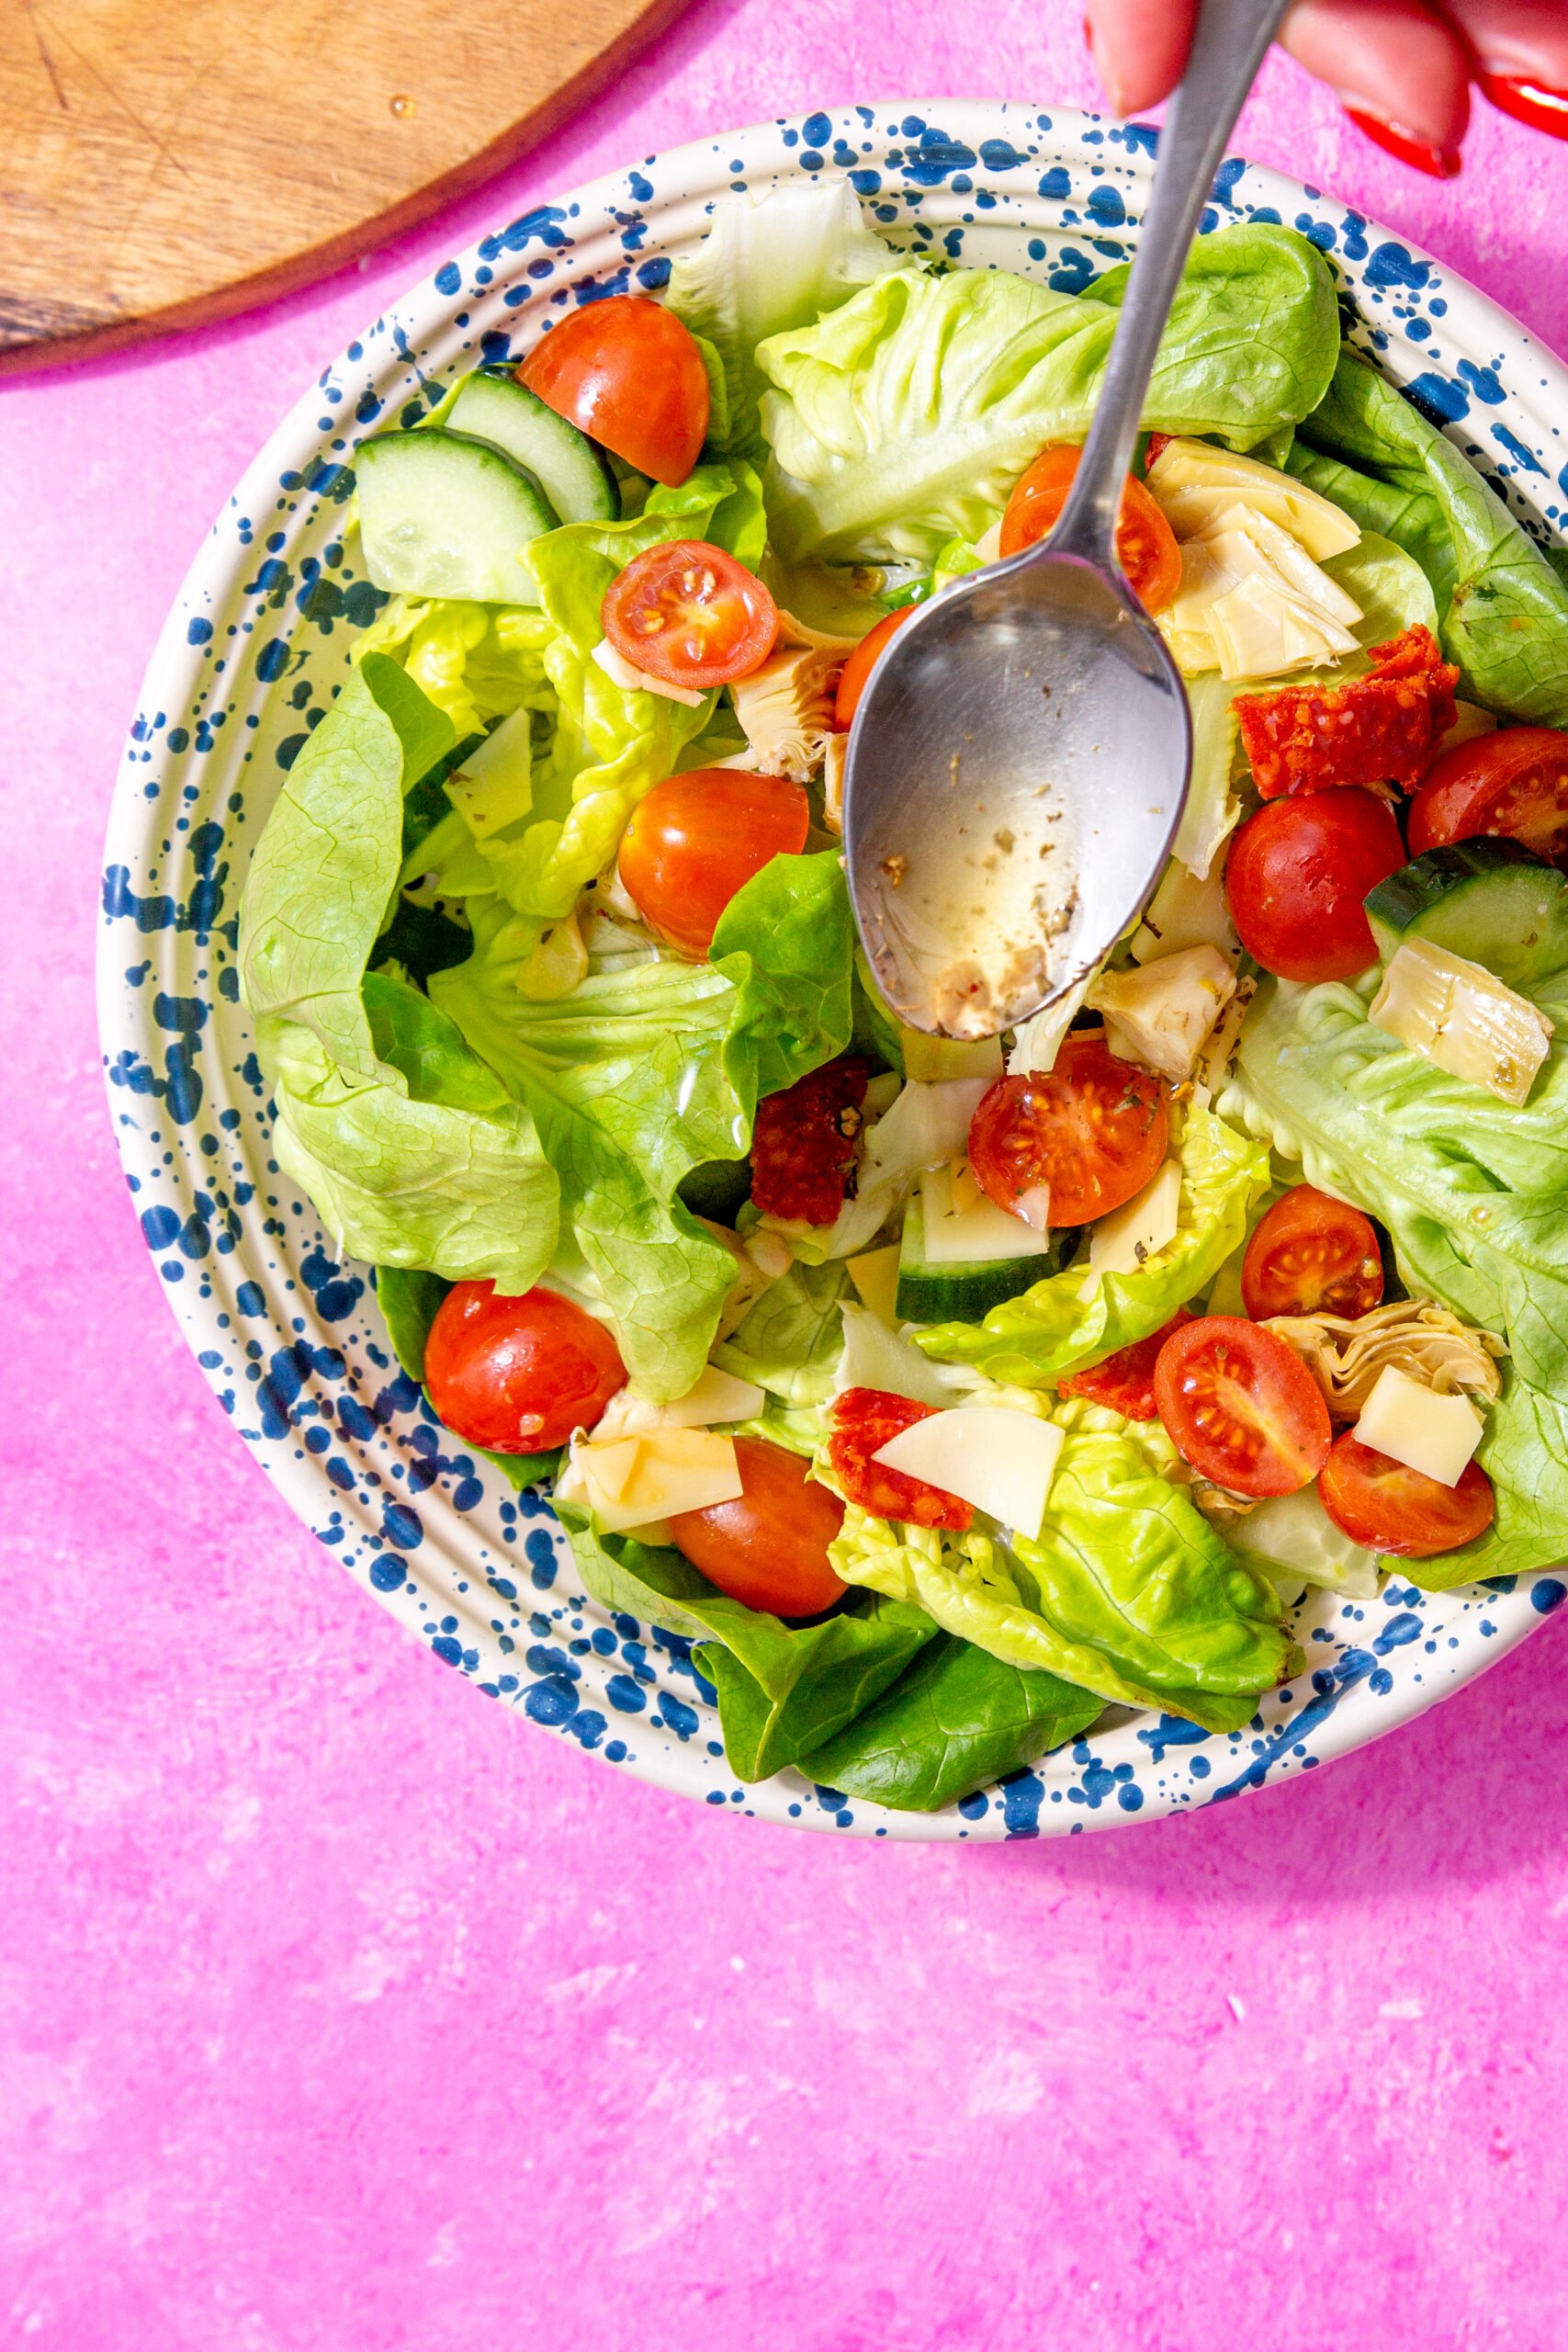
[1018,763]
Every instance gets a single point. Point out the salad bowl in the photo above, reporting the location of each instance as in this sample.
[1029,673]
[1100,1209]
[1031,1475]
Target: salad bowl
[288,1331]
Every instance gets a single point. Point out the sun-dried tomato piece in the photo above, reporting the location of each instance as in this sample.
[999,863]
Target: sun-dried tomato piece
[1126,1380]
[1158,443]
[864,1419]
[1381,729]
[803,1144]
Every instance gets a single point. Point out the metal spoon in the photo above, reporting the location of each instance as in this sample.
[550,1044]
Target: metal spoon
[1019,761]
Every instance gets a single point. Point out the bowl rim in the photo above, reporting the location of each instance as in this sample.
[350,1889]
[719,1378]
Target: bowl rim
[772,152]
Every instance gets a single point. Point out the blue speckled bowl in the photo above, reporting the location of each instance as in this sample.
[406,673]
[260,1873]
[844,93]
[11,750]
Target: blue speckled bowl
[290,1339]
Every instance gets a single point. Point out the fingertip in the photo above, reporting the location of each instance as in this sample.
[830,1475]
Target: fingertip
[1138,48]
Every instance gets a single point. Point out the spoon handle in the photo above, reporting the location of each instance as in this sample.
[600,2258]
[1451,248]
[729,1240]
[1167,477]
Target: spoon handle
[1227,50]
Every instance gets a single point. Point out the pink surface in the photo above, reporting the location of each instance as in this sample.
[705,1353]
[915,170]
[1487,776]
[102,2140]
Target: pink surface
[341,2014]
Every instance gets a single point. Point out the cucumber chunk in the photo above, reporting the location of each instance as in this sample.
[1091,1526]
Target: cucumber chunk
[569,468]
[1485,899]
[962,1291]
[441,516]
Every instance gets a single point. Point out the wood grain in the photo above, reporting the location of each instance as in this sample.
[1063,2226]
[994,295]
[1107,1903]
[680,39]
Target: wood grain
[161,165]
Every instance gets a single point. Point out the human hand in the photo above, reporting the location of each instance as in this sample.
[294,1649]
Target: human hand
[1402,69]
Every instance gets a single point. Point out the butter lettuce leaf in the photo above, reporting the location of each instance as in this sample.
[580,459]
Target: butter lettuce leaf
[768,263]
[1067,1321]
[1504,606]
[902,420]
[1128,1591]
[791,1341]
[1525,1455]
[782,1688]
[641,1074]
[955,1718]
[410,1151]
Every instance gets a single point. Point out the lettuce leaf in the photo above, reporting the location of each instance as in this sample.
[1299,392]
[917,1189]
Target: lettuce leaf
[1473,1191]
[791,1341]
[1525,1455]
[1065,1322]
[955,1718]
[644,1073]
[410,1151]
[781,260]
[1504,606]
[1128,1593]
[782,1688]
[903,419]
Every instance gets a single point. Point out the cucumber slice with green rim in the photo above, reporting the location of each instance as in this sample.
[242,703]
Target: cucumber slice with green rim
[962,1291]
[442,515]
[567,467]
[1485,899]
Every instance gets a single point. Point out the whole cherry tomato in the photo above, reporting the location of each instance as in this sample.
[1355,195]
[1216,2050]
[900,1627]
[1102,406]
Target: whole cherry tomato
[517,1375]
[1145,544]
[1297,875]
[768,1548]
[698,838]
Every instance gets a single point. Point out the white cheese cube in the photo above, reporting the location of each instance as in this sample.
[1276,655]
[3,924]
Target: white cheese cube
[1129,1237]
[670,1471]
[1436,1435]
[715,1397]
[1000,1461]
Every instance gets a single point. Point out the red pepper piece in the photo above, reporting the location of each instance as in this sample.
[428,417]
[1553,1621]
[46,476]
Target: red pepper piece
[864,1419]
[1126,1381]
[1381,729]
[803,1144]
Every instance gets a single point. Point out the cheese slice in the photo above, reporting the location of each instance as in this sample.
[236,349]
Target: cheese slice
[633,681]
[634,1481]
[875,1276]
[1437,1435]
[1001,1462]
[1125,1240]
[960,1226]
[494,785]
[715,1395]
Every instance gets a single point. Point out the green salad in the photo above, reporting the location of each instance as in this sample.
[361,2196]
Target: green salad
[943,1394]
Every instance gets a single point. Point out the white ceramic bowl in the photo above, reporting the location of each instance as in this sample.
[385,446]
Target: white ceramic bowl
[291,1340]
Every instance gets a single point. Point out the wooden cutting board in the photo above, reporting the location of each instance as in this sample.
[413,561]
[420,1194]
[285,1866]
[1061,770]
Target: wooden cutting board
[166,162]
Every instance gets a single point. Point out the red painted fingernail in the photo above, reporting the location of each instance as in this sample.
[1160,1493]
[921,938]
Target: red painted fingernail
[1527,101]
[1440,163]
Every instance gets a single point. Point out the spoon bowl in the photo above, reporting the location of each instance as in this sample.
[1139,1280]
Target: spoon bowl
[1019,761]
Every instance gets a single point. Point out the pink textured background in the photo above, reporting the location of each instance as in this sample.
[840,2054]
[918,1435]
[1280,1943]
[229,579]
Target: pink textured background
[341,2013]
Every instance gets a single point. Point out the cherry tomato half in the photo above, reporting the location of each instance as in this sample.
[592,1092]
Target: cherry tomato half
[1094,1129]
[1126,1381]
[864,1419]
[517,1375]
[857,670]
[1376,1501]
[1514,782]
[1241,1407]
[1145,544]
[1297,874]
[768,1548]
[698,838]
[628,373]
[691,614]
[1311,1255]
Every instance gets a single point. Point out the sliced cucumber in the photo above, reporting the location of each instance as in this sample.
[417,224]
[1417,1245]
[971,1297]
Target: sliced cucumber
[1483,900]
[441,516]
[567,467]
[961,1291]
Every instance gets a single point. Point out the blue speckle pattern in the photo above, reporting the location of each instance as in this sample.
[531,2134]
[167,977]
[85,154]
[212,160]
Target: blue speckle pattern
[249,662]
